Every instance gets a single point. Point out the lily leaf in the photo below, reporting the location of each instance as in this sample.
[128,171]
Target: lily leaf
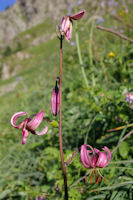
[121,127]
[124,150]
[54,124]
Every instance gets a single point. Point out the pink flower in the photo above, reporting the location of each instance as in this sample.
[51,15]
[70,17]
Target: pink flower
[28,124]
[129,99]
[94,158]
[66,25]
[55,100]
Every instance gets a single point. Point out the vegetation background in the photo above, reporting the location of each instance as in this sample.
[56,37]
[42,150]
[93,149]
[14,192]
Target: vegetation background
[29,67]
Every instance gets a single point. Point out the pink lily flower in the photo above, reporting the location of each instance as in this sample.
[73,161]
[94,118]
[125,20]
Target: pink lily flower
[94,158]
[28,124]
[66,25]
[55,100]
[97,157]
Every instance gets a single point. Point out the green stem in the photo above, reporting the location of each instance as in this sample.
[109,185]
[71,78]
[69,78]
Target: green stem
[127,135]
[90,50]
[90,44]
[79,55]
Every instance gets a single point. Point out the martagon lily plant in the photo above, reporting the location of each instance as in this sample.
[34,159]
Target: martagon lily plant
[91,158]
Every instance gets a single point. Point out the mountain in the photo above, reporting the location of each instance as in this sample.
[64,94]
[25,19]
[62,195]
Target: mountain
[25,14]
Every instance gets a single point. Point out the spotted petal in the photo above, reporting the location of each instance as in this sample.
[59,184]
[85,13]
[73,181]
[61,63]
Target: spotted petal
[65,24]
[78,15]
[68,33]
[36,121]
[108,155]
[14,119]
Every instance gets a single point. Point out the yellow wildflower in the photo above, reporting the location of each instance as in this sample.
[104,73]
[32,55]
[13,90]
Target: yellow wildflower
[111,55]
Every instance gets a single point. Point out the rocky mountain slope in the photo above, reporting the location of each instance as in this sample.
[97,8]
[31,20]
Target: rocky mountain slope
[24,14]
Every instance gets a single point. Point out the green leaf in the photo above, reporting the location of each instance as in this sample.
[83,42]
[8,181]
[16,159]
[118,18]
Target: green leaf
[4,194]
[100,196]
[113,186]
[54,124]
[124,150]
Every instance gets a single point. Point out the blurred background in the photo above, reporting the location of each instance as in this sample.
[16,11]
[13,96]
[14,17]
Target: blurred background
[29,65]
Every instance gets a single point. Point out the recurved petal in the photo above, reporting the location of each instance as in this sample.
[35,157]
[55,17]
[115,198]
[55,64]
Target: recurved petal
[25,132]
[108,155]
[93,157]
[14,119]
[96,150]
[42,132]
[78,15]
[63,24]
[84,157]
[102,159]
[36,121]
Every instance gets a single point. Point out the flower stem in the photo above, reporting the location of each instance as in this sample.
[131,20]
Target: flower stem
[115,33]
[80,179]
[127,135]
[60,124]
[70,159]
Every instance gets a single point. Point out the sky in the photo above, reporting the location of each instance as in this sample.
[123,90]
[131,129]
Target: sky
[5,3]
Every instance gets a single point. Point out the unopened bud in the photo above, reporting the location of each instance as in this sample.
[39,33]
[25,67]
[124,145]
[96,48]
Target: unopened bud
[55,100]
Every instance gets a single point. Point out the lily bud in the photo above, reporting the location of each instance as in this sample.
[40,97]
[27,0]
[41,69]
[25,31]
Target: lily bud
[55,100]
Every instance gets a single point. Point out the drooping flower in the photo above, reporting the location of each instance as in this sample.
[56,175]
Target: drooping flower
[55,100]
[94,158]
[66,24]
[29,124]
